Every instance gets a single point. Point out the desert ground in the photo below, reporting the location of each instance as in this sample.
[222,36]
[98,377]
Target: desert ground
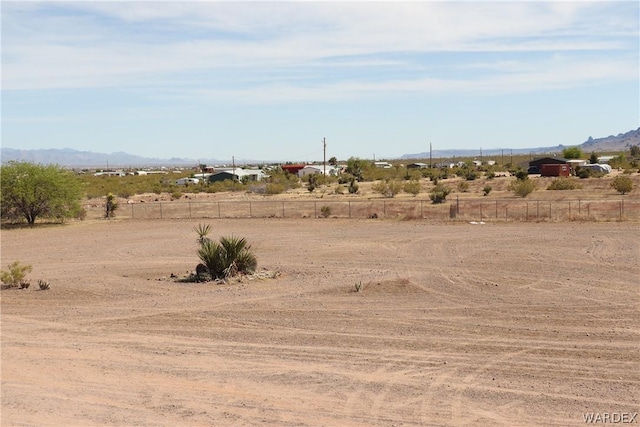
[501,324]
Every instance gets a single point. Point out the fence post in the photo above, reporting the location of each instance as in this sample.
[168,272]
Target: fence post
[250,211]
[349,209]
[315,209]
[527,218]
[132,210]
[457,205]
[579,208]
[160,210]
[219,211]
[421,209]
[496,209]
[283,209]
[189,210]
[480,211]
[569,210]
[538,209]
[384,208]
[549,211]
[621,202]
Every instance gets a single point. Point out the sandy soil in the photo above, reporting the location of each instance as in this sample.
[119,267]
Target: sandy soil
[457,324]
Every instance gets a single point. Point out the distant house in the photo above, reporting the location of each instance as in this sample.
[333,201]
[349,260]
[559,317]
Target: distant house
[237,175]
[417,166]
[318,169]
[292,169]
[187,181]
[535,166]
[382,165]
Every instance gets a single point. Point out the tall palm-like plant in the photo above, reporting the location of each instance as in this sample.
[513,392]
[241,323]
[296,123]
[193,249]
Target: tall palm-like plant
[203,231]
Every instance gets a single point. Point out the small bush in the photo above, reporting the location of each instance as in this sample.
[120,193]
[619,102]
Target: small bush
[359,287]
[325,211]
[110,206]
[274,188]
[43,285]
[412,187]
[15,275]
[228,257]
[622,184]
[463,186]
[522,188]
[439,194]
[486,190]
[564,184]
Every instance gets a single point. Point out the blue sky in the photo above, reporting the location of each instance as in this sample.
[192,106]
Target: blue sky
[270,80]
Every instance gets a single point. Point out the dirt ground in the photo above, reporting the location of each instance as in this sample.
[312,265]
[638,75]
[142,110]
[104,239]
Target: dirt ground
[503,324]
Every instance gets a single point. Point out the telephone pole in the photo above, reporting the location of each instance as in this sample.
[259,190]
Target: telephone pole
[324,153]
[430,156]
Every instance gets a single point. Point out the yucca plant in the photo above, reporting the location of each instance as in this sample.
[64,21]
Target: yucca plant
[228,257]
[203,231]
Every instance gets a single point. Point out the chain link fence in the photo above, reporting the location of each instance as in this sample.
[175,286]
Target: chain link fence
[452,210]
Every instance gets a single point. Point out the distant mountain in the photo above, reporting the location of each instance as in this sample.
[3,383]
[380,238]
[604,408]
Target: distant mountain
[620,142]
[74,158]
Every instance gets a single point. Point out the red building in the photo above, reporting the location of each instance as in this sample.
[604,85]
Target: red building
[292,169]
[555,170]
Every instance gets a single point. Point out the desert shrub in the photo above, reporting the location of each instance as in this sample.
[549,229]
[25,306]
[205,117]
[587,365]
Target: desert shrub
[353,186]
[380,187]
[15,274]
[463,186]
[43,285]
[202,230]
[176,194]
[563,183]
[439,194]
[622,184]
[325,211]
[583,173]
[358,287]
[228,257]
[110,206]
[523,187]
[491,175]
[274,188]
[412,187]
[339,189]
[521,175]
[486,190]
[387,188]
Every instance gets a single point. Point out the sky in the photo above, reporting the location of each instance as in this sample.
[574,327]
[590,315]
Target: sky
[273,80]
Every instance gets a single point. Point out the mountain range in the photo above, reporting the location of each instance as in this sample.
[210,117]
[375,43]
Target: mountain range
[74,158]
[611,143]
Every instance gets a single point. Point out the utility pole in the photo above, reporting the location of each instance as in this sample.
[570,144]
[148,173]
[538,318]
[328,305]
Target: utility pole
[233,165]
[430,156]
[480,155]
[324,161]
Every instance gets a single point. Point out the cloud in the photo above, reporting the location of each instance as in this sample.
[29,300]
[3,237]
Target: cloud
[279,52]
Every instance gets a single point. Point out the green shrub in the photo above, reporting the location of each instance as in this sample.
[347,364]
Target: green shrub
[110,206]
[523,187]
[228,257]
[15,275]
[622,184]
[486,190]
[274,188]
[439,194]
[463,186]
[412,187]
[325,211]
[563,183]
